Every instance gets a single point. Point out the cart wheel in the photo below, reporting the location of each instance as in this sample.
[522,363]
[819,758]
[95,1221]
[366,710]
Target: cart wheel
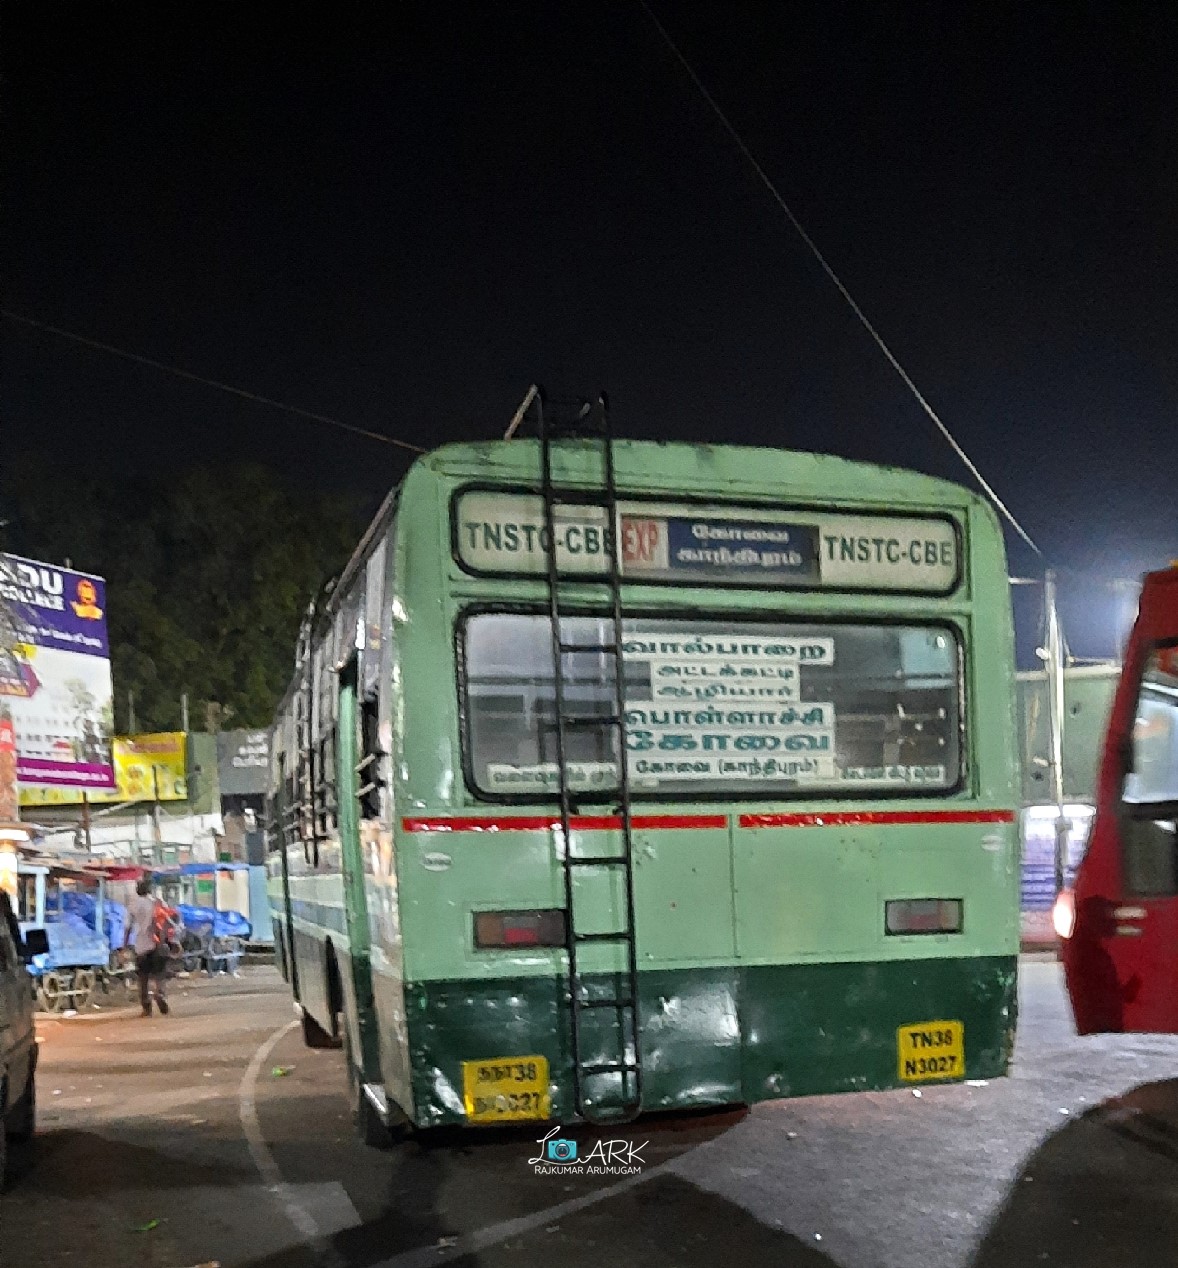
[84,983]
[51,994]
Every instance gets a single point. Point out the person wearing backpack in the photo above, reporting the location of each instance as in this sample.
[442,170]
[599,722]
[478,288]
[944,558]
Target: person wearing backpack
[148,932]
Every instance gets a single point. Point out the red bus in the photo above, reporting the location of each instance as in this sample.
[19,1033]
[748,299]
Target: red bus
[1118,926]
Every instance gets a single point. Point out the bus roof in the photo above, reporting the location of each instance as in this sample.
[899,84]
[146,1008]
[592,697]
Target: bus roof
[673,465]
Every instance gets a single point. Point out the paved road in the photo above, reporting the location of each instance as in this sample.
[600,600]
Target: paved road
[174,1142]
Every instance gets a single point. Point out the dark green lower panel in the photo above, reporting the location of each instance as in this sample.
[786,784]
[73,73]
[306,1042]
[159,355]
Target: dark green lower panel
[716,1036]
[810,1029]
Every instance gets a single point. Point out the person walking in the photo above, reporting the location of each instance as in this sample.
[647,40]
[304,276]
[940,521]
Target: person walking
[146,934]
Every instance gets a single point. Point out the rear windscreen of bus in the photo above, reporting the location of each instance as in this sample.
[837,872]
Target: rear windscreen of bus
[713,708]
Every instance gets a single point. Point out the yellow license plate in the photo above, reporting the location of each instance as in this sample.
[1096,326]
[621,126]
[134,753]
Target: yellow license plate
[503,1089]
[931,1050]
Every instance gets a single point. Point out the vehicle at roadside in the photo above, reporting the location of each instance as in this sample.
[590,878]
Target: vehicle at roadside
[1118,923]
[18,1041]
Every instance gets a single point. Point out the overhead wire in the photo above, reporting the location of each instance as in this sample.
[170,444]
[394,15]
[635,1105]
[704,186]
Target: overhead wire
[767,181]
[214,383]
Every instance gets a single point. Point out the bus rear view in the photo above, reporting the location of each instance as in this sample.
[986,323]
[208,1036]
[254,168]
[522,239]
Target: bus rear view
[621,777]
[1119,925]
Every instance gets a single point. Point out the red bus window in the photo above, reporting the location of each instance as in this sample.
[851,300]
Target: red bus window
[1149,832]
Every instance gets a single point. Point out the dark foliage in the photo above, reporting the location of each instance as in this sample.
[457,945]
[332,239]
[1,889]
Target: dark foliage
[208,575]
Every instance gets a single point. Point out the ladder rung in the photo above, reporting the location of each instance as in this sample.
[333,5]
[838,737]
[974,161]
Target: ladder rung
[609,1067]
[606,649]
[592,719]
[614,935]
[597,860]
[605,1003]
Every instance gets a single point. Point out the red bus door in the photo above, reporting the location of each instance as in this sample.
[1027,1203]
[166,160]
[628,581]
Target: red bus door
[1119,927]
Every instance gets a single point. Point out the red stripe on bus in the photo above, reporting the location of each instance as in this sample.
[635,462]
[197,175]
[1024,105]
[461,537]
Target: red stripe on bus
[603,823]
[869,818]
[579,823]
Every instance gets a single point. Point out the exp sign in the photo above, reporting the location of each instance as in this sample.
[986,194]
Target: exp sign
[505,533]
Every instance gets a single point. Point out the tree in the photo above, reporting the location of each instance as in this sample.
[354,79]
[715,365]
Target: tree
[208,576]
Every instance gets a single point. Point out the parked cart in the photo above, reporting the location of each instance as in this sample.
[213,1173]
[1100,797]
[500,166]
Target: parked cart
[83,927]
[213,937]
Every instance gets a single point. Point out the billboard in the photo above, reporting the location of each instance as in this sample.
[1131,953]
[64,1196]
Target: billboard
[8,801]
[243,762]
[55,679]
[147,768]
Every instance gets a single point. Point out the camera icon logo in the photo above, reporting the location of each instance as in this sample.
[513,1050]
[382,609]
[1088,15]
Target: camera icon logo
[560,1150]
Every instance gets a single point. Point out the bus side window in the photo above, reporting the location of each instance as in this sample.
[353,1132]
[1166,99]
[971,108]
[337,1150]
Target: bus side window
[371,782]
[1149,833]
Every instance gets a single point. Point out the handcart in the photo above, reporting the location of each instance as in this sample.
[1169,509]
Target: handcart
[84,929]
[211,937]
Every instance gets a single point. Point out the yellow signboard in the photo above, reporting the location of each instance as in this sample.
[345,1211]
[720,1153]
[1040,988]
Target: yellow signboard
[147,768]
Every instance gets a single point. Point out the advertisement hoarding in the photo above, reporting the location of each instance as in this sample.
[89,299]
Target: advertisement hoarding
[147,768]
[56,680]
[8,798]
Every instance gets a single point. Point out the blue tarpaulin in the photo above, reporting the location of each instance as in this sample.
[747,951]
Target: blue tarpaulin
[73,944]
[221,924]
[86,906]
[198,869]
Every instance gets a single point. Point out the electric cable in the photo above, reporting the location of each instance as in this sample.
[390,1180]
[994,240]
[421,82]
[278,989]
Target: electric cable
[765,180]
[199,378]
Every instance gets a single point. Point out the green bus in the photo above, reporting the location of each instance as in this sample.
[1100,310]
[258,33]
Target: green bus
[801,878]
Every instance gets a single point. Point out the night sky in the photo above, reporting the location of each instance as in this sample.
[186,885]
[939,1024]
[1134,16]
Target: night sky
[405,222]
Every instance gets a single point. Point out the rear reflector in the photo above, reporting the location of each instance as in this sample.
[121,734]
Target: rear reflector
[498,930]
[923,915]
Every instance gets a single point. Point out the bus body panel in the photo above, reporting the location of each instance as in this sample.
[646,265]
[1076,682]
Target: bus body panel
[1121,958]
[724,1034]
[764,964]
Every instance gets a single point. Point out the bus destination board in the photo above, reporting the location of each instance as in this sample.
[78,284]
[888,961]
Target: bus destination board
[505,533]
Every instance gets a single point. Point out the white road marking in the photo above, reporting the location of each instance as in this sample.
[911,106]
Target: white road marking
[492,1234]
[285,1194]
[345,1215]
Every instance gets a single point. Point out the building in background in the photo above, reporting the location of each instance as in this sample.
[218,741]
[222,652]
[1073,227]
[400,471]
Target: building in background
[1087,697]
[243,759]
[165,807]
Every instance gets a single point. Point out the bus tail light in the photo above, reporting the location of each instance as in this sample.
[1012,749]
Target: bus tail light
[1063,914]
[923,915]
[505,930]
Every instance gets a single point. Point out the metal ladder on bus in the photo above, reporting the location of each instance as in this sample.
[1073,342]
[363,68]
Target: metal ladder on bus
[623,1062]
